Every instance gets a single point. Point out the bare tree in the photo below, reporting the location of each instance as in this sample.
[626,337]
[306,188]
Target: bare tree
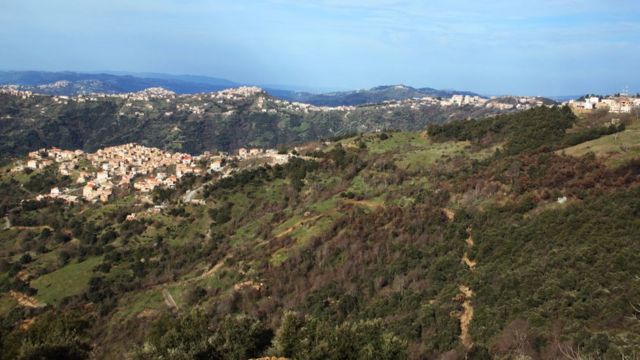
[571,353]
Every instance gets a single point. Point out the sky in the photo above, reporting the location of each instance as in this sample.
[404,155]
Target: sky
[541,47]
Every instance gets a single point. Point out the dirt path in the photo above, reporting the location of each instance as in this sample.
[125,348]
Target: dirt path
[466,317]
[465,258]
[367,203]
[297,225]
[26,324]
[168,300]
[38,227]
[470,263]
[211,271]
[449,213]
[466,294]
[166,296]
[24,300]
[469,240]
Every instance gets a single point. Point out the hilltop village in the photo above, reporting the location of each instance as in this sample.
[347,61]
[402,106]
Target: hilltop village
[498,103]
[198,104]
[96,176]
[619,104]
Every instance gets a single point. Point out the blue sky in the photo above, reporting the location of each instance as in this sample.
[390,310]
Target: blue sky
[542,47]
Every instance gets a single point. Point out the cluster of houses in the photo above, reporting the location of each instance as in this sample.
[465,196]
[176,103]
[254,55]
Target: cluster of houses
[238,93]
[97,175]
[14,90]
[265,104]
[499,103]
[305,108]
[622,104]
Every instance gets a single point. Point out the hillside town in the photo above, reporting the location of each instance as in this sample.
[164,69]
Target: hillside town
[498,103]
[619,104]
[96,176]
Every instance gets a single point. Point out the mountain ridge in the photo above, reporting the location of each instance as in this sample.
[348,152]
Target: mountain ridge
[122,82]
[373,95]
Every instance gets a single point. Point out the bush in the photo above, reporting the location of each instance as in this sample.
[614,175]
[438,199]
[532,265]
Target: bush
[309,338]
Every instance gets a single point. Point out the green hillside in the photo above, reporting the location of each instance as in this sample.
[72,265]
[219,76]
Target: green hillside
[497,238]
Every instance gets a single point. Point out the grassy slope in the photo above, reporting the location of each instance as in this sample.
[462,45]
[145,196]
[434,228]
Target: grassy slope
[617,148]
[68,281]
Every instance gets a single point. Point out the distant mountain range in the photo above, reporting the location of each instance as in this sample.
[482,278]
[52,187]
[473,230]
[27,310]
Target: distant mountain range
[74,83]
[372,96]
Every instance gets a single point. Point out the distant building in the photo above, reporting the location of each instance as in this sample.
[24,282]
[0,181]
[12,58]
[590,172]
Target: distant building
[457,99]
[619,104]
[216,165]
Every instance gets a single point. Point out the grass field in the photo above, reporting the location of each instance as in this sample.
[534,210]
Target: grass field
[427,155]
[67,281]
[619,147]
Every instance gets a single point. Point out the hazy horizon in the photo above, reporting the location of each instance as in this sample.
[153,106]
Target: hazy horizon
[550,48]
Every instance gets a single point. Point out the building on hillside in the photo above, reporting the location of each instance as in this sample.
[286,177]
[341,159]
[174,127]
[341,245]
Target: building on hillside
[593,100]
[216,165]
[457,99]
[619,104]
[102,176]
[147,184]
[94,192]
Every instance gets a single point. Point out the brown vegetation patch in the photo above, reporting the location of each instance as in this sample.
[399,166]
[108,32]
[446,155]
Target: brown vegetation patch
[24,300]
[26,323]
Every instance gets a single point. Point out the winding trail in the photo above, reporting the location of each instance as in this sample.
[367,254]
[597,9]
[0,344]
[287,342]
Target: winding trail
[470,263]
[465,258]
[466,317]
[449,214]
[302,222]
[466,294]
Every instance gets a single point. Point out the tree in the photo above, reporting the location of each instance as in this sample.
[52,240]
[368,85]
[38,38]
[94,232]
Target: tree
[241,337]
[63,258]
[51,336]
[309,338]
[191,337]
[288,336]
